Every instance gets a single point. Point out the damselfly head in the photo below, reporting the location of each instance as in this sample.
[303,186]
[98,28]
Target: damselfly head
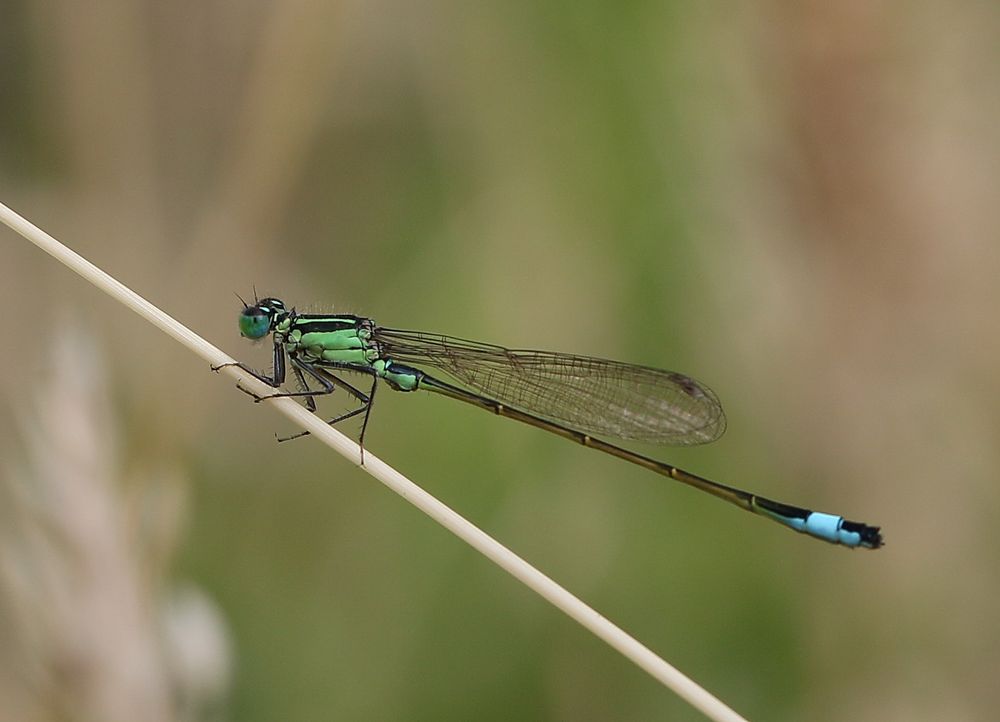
[258,320]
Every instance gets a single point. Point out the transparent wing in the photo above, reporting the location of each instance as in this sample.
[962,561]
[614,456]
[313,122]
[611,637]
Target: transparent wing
[592,395]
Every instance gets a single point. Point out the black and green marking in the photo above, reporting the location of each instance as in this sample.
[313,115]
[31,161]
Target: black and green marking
[571,396]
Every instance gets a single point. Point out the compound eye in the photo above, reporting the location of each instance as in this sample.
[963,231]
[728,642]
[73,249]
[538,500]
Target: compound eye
[254,323]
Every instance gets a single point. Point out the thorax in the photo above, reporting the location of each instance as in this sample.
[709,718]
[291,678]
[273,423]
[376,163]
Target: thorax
[328,339]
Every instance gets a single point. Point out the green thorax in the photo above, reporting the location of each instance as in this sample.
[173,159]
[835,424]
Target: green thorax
[341,342]
[316,339]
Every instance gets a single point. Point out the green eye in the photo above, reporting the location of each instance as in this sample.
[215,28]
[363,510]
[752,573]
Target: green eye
[254,324]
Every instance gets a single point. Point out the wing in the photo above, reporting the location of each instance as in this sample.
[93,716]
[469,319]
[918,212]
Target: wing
[592,395]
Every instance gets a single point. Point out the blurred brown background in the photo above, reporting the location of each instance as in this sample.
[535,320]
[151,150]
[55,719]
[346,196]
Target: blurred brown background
[794,202]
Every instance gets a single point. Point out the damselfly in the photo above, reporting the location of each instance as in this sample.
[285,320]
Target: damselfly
[577,397]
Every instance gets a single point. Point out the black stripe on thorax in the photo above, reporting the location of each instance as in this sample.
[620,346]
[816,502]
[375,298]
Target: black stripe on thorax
[315,323]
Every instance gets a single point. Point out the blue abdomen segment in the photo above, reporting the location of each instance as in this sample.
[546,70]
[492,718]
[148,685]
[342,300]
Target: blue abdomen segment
[828,527]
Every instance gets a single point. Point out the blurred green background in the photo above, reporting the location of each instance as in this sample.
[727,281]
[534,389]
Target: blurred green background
[794,202]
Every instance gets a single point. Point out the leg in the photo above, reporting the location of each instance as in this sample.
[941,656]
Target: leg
[298,367]
[368,409]
[269,380]
[331,422]
[278,379]
[273,381]
[304,385]
[326,381]
[366,403]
